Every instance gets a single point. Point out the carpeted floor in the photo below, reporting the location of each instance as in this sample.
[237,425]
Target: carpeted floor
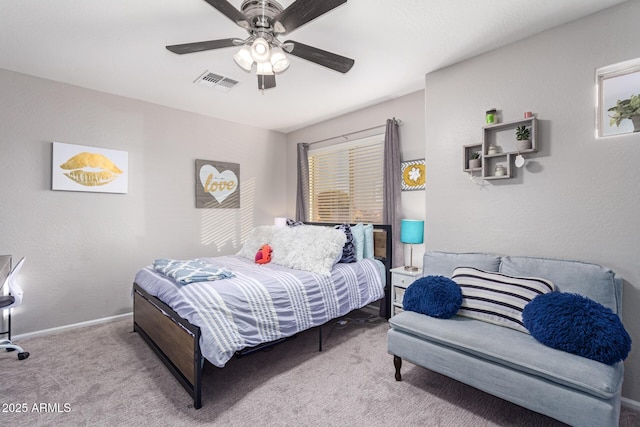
[106,375]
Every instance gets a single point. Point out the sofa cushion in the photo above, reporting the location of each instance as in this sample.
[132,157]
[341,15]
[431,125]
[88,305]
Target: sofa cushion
[513,350]
[435,296]
[497,298]
[578,325]
[437,263]
[590,280]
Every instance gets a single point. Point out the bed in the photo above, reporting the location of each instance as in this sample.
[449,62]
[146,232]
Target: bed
[260,306]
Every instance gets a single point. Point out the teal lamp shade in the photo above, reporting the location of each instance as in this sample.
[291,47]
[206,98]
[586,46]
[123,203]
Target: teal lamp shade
[412,232]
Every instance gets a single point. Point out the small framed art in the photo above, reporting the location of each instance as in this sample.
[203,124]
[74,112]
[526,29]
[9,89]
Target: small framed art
[413,175]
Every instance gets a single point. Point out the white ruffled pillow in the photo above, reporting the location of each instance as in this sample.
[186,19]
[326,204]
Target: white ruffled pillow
[259,236]
[308,247]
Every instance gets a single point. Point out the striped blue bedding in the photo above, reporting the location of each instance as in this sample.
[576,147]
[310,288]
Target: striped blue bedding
[263,303]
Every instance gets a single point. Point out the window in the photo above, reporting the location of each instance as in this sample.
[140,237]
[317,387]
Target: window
[346,181]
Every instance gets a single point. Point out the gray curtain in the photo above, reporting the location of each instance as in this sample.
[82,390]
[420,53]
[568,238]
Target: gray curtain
[391,212]
[302,196]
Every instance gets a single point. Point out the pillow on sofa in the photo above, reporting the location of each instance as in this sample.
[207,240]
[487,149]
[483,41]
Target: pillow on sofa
[497,298]
[577,325]
[435,296]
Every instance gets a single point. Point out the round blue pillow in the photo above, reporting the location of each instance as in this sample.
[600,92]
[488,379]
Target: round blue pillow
[435,296]
[577,325]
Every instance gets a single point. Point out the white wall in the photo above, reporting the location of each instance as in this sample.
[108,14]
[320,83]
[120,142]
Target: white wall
[409,109]
[83,249]
[578,196]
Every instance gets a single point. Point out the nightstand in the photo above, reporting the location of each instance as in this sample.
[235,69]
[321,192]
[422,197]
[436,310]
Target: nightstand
[400,280]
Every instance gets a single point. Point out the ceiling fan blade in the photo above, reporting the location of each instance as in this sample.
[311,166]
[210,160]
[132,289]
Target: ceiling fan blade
[228,10]
[181,49]
[302,11]
[266,81]
[319,56]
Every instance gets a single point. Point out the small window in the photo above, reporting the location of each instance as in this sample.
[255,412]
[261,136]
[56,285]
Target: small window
[618,103]
[346,181]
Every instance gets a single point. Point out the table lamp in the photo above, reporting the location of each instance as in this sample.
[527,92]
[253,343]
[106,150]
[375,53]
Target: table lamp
[412,232]
[280,222]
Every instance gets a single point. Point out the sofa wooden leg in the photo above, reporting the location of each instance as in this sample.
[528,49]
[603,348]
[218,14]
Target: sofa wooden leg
[397,362]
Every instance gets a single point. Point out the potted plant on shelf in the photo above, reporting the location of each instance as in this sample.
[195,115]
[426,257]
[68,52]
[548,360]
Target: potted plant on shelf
[523,138]
[626,109]
[474,161]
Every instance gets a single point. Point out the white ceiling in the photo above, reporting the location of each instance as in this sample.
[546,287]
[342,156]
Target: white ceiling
[118,47]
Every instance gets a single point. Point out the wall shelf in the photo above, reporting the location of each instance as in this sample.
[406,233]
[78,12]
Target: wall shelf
[502,136]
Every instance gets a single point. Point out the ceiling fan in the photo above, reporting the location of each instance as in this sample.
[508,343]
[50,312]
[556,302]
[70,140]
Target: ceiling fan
[265,20]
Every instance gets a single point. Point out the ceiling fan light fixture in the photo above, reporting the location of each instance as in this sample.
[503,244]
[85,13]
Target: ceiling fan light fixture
[260,50]
[279,60]
[264,69]
[243,58]
[265,21]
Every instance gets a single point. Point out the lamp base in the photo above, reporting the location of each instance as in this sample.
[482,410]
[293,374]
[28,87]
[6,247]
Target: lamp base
[410,268]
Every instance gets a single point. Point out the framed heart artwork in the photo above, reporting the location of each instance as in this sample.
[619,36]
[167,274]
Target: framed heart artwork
[217,185]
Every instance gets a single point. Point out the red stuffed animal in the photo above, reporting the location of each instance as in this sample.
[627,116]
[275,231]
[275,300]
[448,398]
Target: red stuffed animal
[264,254]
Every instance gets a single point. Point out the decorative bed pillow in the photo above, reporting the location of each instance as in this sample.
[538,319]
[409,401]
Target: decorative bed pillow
[577,325]
[497,298]
[349,248]
[368,241]
[358,238]
[259,236]
[308,247]
[294,223]
[435,296]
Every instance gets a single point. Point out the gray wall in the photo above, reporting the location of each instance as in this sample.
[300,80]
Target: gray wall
[409,109]
[83,249]
[578,197]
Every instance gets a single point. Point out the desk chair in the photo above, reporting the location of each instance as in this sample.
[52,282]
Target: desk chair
[6,302]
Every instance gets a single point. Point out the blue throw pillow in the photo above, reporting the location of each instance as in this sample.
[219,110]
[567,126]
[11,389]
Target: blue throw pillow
[435,296]
[577,325]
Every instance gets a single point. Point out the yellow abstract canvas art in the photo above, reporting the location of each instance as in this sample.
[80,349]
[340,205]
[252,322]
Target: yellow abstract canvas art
[413,175]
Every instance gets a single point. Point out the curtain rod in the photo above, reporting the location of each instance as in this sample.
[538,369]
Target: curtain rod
[352,133]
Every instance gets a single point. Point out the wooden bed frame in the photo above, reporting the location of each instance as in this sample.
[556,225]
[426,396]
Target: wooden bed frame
[177,342]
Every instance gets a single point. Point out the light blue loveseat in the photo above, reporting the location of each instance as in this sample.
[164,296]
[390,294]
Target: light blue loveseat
[510,364]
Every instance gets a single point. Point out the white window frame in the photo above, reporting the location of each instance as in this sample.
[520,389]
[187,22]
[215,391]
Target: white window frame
[362,186]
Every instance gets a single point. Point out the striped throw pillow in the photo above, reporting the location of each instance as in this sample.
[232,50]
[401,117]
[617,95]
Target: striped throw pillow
[497,298]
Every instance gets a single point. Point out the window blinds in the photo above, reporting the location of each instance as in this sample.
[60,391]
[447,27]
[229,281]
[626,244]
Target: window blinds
[346,181]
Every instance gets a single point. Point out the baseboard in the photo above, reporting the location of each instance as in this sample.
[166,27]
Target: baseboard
[632,404]
[68,327]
